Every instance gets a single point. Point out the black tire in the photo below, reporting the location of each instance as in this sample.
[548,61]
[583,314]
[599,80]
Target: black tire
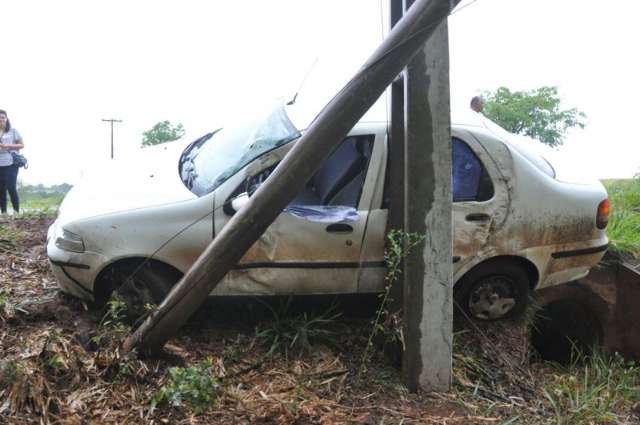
[143,288]
[493,291]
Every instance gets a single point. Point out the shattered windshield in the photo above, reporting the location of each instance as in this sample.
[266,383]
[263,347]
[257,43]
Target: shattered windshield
[209,161]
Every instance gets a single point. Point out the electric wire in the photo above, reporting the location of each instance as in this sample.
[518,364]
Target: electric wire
[460,8]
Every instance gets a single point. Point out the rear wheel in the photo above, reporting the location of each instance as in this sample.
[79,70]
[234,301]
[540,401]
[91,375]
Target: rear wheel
[493,291]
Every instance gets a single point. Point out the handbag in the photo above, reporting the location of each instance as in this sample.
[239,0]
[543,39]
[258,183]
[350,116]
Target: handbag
[20,160]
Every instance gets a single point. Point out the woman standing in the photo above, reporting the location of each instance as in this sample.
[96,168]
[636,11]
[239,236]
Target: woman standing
[10,141]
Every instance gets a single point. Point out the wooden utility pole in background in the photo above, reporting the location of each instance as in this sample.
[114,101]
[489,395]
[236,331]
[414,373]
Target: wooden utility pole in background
[395,165]
[425,206]
[111,121]
[290,176]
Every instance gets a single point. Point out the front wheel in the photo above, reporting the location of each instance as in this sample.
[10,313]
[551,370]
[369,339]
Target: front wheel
[493,291]
[142,290]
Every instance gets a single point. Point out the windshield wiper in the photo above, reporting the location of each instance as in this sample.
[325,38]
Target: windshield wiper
[186,154]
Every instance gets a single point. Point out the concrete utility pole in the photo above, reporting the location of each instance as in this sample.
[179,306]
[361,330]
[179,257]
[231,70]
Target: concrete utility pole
[425,206]
[428,271]
[288,179]
[111,121]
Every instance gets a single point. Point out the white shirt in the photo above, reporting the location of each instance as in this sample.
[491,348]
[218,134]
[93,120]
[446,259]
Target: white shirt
[10,137]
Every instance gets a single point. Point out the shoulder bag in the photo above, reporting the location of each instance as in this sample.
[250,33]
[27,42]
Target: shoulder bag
[19,160]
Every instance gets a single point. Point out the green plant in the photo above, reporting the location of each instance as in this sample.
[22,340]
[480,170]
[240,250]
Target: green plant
[289,331]
[6,308]
[127,364]
[593,389]
[9,372]
[10,237]
[112,326]
[194,386]
[162,132]
[39,199]
[37,213]
[399,246]
[233,350]
[624,232]
[535,113]
[624,220]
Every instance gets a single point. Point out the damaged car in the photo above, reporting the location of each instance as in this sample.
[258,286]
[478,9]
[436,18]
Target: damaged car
[517,227]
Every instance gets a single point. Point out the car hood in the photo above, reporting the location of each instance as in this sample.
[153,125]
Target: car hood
[148,178]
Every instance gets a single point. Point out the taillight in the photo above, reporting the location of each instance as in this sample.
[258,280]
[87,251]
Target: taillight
[602,218]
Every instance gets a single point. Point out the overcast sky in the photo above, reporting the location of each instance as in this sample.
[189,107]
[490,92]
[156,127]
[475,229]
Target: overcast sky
[70,63]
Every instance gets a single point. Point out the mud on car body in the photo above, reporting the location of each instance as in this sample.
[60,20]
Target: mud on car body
[516,227]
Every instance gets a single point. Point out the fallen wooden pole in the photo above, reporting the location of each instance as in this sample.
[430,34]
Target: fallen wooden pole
[323,135]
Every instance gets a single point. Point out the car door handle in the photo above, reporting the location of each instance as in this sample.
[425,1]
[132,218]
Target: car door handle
[478,217]
[339,228]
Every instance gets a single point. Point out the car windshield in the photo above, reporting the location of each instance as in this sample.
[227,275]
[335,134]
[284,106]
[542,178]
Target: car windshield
[209,161]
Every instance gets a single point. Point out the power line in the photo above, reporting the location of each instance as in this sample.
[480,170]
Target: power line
[462,7]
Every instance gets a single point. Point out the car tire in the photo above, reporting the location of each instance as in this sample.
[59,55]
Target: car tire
[493,291]
[142,288]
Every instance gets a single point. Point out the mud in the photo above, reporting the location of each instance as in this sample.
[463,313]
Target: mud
[598,310]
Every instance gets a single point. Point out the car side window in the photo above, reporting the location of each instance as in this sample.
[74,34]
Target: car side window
[340,179]
[470,179]
[338,182]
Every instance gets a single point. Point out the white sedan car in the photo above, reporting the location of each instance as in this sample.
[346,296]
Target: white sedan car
[138,230]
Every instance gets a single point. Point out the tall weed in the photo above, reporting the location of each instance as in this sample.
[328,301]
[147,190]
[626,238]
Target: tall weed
[624,220]
[295,332]
[594,389]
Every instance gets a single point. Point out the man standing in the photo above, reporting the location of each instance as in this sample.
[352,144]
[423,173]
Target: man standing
[477,103]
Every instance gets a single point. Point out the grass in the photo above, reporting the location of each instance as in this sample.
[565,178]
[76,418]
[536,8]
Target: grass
[10,237]
[594,389]
[290,332]
[624,220]
[51,202]
[41,201]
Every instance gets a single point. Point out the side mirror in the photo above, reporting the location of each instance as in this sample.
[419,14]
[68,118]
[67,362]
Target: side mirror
[239,201]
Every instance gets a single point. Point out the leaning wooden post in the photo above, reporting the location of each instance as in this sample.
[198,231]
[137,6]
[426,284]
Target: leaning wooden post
[328,129]
[428,269]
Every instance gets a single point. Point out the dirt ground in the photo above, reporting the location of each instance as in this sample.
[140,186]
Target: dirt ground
[60,363]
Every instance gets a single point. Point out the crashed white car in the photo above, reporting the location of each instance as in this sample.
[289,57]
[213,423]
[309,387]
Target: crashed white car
[516,227]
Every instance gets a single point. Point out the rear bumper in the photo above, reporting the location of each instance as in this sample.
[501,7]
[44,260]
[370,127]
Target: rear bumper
[570,263]
[579,252]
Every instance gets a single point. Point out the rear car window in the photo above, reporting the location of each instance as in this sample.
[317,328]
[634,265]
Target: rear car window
[520,146]
[539,162]
[470,179]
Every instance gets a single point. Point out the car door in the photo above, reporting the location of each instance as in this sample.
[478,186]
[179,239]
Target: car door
[314,245]
[480,199]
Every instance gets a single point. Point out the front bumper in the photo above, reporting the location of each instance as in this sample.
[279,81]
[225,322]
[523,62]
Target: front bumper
[69,283]
[74,272]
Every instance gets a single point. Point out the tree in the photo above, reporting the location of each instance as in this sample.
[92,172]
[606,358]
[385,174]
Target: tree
[162,132]
[534,113]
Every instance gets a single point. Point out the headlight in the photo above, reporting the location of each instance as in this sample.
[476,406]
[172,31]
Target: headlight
[69,241]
